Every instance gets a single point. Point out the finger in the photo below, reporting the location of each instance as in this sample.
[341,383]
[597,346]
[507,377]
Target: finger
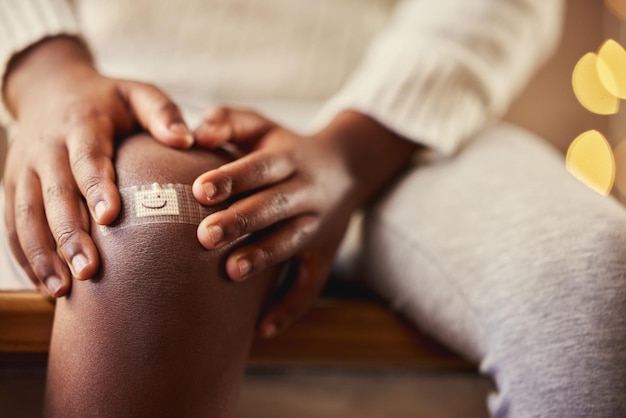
[90,148]
[14,243]
[272,249]
[251,214]
[256,170]
[157,113]
[313,272]
[222,124]
[68,218]
[36,242]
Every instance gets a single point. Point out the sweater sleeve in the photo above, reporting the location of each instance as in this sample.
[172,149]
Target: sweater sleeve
[443,69]
[25,22]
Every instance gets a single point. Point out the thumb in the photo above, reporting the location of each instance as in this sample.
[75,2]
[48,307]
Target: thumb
[157,113]
[222,124]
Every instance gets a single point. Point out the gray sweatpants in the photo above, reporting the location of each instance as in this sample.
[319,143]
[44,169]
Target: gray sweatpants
[505,257]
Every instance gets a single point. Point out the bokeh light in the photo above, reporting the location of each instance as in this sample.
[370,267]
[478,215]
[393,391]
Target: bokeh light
[591,160]
[590,90]
[612,68]
[599,82]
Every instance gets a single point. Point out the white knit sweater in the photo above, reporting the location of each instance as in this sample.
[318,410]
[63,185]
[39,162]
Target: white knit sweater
[435,71]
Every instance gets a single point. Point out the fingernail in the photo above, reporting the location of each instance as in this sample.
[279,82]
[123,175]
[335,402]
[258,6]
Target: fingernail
[245,266]
[181,130]
[53,283]
[216,233]
[79,262]
[210,190]
[269,331]
[101,207]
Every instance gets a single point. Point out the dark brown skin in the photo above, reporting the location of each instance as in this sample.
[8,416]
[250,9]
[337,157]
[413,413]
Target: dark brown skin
[160,331]
[307,186]
[67,117]
[304,188]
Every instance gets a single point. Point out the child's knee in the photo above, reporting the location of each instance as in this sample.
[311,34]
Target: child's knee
[161,305]
[155,264]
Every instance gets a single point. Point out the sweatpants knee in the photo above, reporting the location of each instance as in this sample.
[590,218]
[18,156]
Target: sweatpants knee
[558,348]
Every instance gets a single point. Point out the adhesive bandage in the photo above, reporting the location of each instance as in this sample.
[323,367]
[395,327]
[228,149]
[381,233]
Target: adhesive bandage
[158,203]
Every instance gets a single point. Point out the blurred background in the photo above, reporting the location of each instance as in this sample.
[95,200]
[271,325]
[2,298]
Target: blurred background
[549,108]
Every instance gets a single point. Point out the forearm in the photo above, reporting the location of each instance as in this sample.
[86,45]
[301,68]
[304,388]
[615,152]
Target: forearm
[44,65]
[373,154]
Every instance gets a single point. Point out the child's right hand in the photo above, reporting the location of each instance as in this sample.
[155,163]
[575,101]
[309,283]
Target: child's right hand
[67,117]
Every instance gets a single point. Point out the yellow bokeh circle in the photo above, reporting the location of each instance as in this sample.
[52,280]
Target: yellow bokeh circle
[591,160]
[589,89]
[611,67]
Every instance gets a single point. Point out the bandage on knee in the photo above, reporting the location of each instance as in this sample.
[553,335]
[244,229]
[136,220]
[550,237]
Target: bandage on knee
[158,203]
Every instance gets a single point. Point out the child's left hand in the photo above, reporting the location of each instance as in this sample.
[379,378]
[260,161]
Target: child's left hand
[294,193]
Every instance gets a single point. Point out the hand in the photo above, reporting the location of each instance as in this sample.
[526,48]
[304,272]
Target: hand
[294,195]
[61,156]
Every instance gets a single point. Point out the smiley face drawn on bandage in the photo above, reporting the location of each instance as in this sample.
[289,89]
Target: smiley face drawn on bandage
[156,201]
[148,202]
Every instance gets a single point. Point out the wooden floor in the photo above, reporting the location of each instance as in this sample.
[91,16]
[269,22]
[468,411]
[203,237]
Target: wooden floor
[364,395]
[288,393]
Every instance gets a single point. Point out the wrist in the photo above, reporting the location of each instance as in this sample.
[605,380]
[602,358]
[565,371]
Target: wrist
[51,63]
[372,154]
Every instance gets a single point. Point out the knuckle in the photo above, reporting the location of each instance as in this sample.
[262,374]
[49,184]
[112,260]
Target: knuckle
[303,231]
[89,170]
[281,202]
[77,111]
[91,186]
[263,168]
[167,108]
[24,211]
[37,257]
[53,141]
[266,256]
[225,180]
[301,237]
[58,191]
[64,233]
[85,159]
[243,221]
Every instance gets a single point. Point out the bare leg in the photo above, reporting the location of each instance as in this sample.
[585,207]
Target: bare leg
[161,331]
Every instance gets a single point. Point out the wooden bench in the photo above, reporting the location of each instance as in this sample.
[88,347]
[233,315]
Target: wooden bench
[339,331]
